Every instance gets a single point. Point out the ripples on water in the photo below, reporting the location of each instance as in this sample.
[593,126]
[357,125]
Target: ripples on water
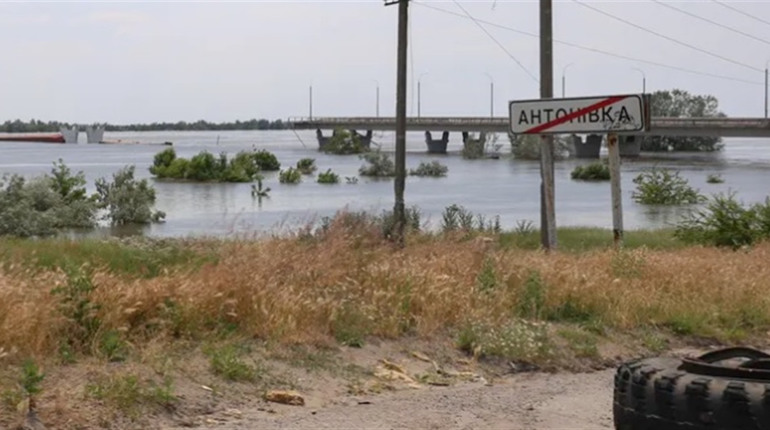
[505,187]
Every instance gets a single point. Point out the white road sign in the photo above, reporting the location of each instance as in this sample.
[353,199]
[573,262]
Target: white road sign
[617,114]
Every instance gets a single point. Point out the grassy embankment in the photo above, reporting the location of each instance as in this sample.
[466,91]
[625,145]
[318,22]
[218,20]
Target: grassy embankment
[153,305]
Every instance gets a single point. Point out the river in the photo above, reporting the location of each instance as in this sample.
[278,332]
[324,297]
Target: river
[505,187]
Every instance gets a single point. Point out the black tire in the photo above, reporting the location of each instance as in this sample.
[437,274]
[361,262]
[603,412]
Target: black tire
[676,394]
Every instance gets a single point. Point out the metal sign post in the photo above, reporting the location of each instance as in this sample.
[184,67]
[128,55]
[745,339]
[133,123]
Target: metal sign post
[614,115]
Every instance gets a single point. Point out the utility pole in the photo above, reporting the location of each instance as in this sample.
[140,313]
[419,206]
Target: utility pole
[491,99]
[311,101]
[547,192]
[400,181]
[765,92]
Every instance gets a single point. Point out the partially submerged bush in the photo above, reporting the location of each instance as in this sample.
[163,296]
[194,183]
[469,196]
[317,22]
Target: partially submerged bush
[434,169]
[266,160]
[714,179]
[726,222]
[664,187]
[306,166]
[379,165]
[598,171]
[127,200]
[44,205]
[343,142]
[527,147]
[328,177]
[290,176]
[205,167]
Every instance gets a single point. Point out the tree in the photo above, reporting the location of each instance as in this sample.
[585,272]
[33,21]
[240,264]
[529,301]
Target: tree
[681,104]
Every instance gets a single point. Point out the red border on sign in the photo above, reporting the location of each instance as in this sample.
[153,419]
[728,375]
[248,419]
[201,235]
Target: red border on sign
[576,114]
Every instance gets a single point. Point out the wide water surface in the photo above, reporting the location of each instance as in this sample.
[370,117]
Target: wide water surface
[505,187]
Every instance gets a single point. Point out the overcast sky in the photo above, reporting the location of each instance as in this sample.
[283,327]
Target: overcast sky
[153,61]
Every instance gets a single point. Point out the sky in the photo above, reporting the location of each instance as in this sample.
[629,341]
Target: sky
[131,62]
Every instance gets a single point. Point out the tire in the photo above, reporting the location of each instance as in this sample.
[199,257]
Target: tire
[694,393]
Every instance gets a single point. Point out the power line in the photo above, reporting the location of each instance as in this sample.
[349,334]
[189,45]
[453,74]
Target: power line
[663,36]
[595,50]
[531,75]
[726,27]
[734,9]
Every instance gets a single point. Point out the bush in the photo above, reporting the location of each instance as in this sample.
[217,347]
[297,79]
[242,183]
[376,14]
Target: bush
[664,187]
[527,147]
[266,160]
[290,176]
[434,169]
[306,166]
[328,177]
[205,167]
[127,200]
[598,171]
[343,142]
[726,222]
[380,165]
[43,205]
[456,217]
[714,179]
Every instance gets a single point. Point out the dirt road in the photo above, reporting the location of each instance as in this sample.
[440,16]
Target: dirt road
[524,401]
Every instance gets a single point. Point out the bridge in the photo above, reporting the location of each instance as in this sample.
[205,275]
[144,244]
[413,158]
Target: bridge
[722,127]
[629,145]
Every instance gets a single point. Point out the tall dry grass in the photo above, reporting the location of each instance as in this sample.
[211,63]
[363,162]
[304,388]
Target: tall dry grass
[304,289]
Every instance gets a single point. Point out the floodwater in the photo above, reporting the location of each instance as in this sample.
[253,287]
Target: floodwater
[502,187]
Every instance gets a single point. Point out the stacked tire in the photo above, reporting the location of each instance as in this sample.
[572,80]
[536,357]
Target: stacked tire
[694,394]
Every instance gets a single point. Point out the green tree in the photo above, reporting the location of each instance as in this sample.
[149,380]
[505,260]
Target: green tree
[681,104]
[127,200]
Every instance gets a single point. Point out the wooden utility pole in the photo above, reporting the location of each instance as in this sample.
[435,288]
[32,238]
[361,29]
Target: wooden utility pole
[547,192]
[399,211]
[617,197]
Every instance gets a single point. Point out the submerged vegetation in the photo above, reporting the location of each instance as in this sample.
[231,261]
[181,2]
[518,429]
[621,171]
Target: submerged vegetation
[47,204]
[597,171]
[205,167]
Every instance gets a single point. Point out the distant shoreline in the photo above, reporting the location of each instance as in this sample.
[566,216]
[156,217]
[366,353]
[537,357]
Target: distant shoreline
[35,126]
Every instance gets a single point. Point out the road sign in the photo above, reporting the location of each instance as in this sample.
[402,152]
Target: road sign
[615,114]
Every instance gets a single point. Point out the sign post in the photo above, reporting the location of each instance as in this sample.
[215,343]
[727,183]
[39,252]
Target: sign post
[613,115]
[613,149]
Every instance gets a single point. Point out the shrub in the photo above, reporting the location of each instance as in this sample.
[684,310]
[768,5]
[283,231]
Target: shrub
[306,166]
[127,200]
[162,162]
[527,147]
[290,176]
[664,187]
[379,165]
[714,179]
[205,167]
[456,217]
[598,171]
[434,169]
[328,177]
[726,222]
[45,204]
[343,142]
[266,160]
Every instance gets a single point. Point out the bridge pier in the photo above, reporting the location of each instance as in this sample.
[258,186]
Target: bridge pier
[474,147]
[364,139]
[588,149]
[70,134]
[630,146]
[437,146]
[94,135]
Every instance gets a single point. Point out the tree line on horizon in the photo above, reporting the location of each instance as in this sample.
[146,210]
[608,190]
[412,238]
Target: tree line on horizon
[37,126]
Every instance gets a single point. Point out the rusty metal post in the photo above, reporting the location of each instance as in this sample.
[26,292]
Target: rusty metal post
[613,147]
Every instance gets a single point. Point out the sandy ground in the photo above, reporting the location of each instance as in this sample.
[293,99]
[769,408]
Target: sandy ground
[522,401]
